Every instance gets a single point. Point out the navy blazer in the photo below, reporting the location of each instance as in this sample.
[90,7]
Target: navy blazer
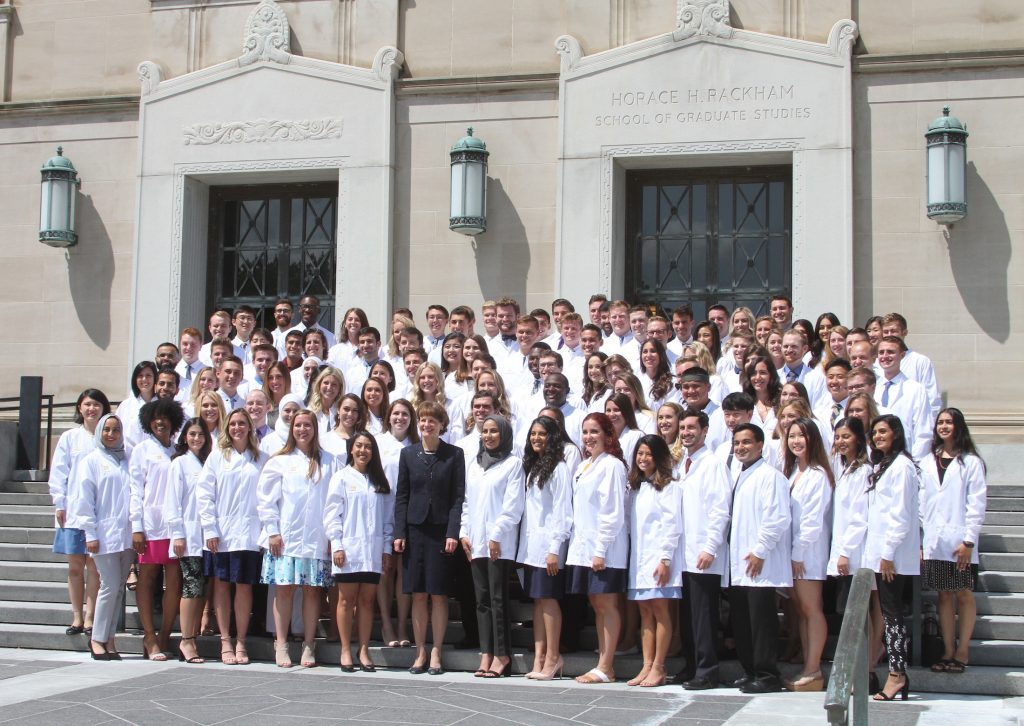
[431,488]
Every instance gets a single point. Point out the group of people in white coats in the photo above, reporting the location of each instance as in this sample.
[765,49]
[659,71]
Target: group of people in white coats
[637,458]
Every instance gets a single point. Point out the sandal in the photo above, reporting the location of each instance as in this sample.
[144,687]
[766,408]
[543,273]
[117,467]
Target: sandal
[181,654]
[308,659]
[955,666]
[157,656]
[941,665]
[281,656]
[241,654]
[595,675]
[227,653]
[133,578]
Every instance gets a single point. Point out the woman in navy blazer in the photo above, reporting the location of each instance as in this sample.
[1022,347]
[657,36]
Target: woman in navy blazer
[428,510]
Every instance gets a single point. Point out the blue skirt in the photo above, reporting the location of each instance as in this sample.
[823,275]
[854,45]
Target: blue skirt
[654,593]
[287,570]
[539,585]
[68,541]
[584,581]
[241,567]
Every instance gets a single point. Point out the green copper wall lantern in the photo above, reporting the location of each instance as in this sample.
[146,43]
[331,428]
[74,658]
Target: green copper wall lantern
[947,163]
[469,186]
[57,204]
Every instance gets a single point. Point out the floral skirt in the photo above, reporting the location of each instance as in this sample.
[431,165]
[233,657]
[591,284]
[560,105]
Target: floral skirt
[285,570]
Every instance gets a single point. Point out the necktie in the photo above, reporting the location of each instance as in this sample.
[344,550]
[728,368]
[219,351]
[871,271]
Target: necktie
[188,373]
[837,409]
[791,375]
[686,468]
[536,385]
[885,393]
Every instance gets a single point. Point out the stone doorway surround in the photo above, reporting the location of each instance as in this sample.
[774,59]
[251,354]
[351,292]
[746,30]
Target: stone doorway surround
[707,94]
[267,116]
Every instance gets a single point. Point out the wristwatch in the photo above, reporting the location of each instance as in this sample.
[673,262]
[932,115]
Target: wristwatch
[969,545]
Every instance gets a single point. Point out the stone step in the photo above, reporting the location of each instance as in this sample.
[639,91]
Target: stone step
[1004,518]
[28,591]
[995,542]
[990,603]
[30,487]
[18,499]
[1007,653]
[979,678]
[1002,561]
[1004,504]
[999,627]
[41,517]
[23,535]
[34,571]
[996,581]
[29,553]
[1005,490]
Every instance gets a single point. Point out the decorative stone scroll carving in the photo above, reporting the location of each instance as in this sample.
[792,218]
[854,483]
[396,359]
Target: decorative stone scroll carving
[260,131]
[569,48]
[267,35]
[387,63]
[702,17]
[842,37]
[150,76]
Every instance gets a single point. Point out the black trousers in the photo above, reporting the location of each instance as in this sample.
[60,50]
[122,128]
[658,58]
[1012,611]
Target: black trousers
[890,596]
[755,626]
[698,624]
[493,605]
[465,594]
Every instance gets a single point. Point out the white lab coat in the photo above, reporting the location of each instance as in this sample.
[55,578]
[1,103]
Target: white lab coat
[952,511]
[810,504]
[628,440]
[148,467]
[181,508]
[849,517]
[909,400]
[291,504]
[358,521]
[71,447]
[707,497]
[226,499]
[547,520]
[892,528]
[493,506]
[761,525]
[390,449]
[600,528]
[102,506]
[918,367]
[655,529]
[813,380]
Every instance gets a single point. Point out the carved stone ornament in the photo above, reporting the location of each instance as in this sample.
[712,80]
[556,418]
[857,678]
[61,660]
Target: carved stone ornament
[150,76]
[702,17]
[266,35]
[261,131]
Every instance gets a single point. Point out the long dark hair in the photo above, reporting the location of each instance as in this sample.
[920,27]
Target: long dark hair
[181,448]
[662,375]
[625,407]
[589,391]
[715,349]
[611,439]
[816,455]
[774,383]
[662,463]
[540,467]
[962,441]
[818,345]
[98,396]
[856,427]
[445,365]
[881,459]
[375,469]
[138,369]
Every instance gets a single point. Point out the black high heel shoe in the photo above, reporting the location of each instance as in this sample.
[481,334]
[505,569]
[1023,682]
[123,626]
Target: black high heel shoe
[98,656]
[505,672]
[873,685]
[903,693]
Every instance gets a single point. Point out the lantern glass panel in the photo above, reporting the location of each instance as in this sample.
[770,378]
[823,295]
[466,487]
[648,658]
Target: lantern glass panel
[955,167]
[458,189]
[59,201]
[936,174]
[44,206]
[474,190]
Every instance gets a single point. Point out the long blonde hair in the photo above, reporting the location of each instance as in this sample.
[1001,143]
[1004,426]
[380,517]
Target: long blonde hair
[416,394]
[221,411]
[252,444]
[194,392]
[316,403]
[291,445]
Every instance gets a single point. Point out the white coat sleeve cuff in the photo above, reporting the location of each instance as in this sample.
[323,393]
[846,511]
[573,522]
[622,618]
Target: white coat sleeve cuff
[273,528]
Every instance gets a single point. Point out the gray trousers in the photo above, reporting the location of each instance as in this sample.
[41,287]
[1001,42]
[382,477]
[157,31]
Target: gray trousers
[113,569]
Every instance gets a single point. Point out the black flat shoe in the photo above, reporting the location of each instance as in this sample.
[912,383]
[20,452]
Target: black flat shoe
[740,682]
[98,656]
[439,671]
[418,670]
[768,684]
[699,684]
[74,630]
[113,655]
[348,668]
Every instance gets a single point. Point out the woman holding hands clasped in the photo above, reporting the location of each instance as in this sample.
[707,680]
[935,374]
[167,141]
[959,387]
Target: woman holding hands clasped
[655,568]
[806,465]
[491,512]
[599,548]
[291,493]
[359,518]
[428,510]
[102,511]
[953,497]
[544,539]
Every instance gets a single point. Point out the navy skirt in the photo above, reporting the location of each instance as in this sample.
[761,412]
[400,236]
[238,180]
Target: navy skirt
[539,585]
[69,541]
[425,566]
[242,567]
[357,578]
[584,581]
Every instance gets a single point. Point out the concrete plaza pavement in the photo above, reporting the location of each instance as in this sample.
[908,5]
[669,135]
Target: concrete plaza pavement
[50,687]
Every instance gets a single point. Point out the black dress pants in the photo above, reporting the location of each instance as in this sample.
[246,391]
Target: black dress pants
[755,626]
[890,597]
[464,589]
[493,605]
[699,624]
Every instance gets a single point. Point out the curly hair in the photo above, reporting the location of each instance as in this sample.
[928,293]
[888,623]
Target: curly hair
[161,408]
[540,467]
